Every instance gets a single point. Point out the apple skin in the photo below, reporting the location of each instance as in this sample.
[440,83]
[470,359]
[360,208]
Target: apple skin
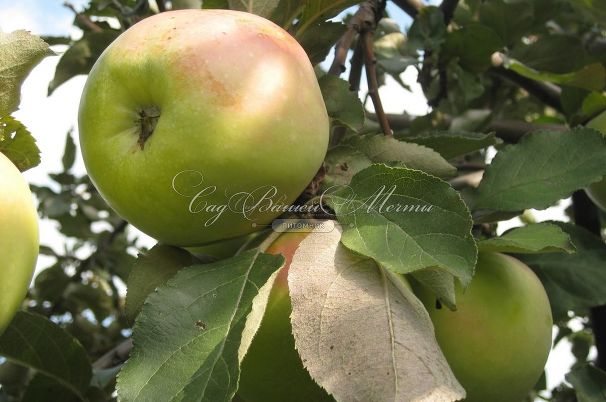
[272,370]
[211,103]
[498,340]
[597,190]
[19,242]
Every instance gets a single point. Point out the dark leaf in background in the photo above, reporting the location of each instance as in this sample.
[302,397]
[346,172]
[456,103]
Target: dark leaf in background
[34,341]
[81,56]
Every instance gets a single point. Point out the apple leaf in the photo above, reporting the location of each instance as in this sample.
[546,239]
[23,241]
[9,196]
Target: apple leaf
[20,52]
[542,168]
[589,383]
[321,10]
[361,332]
[451,144]
[473,45]
[406,220]
[187,337]
[264,8]
[382,149]
[536,238]
[591,77]
[574,282]
[33,341]
[81,56]
[342,163]
[342,104]
[555,53]
[440,282]
[151,270]
[320,38]
[69,152]
[18,144]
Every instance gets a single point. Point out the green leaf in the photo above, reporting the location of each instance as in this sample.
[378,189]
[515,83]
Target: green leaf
[553,53]
[81,56]
[535,238]
[406,220]
[319,39]
[50,283]
[151,270]
[188,335]
[320,10]
[595,10]
[17,143]
[574,282]
[69,152]
[287,11]
[542,168]
[473,45]
[589,383]
[451,144]
[33,341]
[428,30]
[392,53]
[342,163]
[40,387]
[511,20]
[264,8]
[20,52]
[382,149]
[591,77]
[342,104]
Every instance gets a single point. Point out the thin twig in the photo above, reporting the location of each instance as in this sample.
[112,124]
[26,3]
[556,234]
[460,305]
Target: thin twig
[341,50]
[84,19]
[373,85]
[410,7]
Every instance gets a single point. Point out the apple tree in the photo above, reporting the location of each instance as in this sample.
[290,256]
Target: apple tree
[308,245]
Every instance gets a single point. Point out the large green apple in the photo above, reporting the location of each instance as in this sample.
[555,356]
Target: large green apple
[597,191]
[498,340]
[272,370]
[18,239]
[202,125]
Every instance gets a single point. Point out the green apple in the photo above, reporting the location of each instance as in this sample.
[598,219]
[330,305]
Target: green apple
[18,240]
[202,125]
[498,340]
[272,370]
[597,190]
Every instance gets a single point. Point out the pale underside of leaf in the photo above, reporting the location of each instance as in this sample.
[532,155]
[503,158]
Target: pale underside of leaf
[360,331]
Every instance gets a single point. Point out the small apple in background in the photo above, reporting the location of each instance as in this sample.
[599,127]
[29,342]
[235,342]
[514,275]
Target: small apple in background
[18,240]
[498,340]
[188,111]
[272,370]
[597,190]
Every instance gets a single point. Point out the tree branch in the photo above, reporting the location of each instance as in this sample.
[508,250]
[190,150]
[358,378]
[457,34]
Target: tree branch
[373,84]
[547,93]
[510,131]
[357,62]
[448,8]
[161,6]
[586,215]
[83,18]
[117,355]
[410,7]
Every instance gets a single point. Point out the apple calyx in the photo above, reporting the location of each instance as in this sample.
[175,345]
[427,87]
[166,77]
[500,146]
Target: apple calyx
[147,120]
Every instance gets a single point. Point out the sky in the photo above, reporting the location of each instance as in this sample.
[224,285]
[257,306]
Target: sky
[50,118]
